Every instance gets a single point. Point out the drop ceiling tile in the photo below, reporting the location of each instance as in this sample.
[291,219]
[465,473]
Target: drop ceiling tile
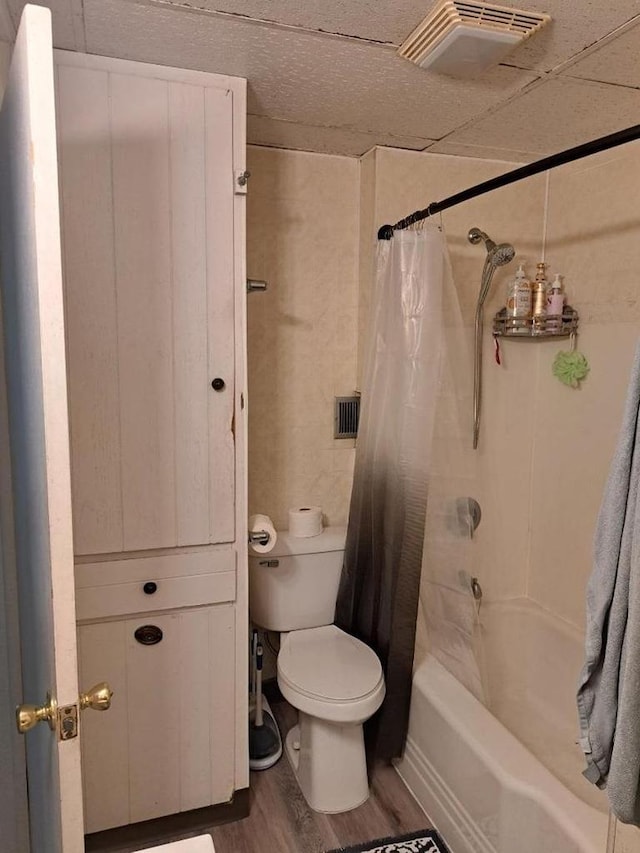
[615,62]
[68,25]
[301,77]
[366,19]
[557,114]
[575,25]
[262,130]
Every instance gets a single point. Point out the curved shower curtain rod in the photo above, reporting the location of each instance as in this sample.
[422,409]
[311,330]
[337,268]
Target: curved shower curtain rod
[621,137]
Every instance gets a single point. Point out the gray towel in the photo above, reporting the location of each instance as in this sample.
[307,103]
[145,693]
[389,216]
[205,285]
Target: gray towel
[609,687]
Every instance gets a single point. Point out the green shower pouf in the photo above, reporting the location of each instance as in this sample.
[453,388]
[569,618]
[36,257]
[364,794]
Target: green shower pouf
[570,367]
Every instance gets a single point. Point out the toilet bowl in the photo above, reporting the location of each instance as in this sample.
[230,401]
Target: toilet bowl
[336,683]
[334,680]
[330,674]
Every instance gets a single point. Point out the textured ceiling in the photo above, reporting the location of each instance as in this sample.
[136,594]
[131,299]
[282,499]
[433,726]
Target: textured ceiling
[325,76]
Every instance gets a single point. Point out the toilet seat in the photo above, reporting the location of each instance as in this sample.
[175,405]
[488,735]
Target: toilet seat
[327,673]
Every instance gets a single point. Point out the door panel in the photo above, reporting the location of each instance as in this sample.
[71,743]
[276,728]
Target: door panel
[141,203]
[220,277]
[87,212]
[149,282]
[38,428]
[169,745]
[191,371]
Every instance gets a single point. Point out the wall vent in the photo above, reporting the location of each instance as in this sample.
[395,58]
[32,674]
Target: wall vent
[463,37]
[347,415]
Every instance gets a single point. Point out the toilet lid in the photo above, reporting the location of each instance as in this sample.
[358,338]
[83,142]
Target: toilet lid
[327,663]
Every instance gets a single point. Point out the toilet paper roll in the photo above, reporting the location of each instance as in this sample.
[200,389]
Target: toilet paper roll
[261,524]
[305,521]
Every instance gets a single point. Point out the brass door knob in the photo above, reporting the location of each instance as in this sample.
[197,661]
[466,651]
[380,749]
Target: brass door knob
[98,698]
[28,716]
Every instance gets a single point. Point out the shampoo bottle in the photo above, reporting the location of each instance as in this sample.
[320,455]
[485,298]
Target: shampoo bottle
[519,295]
[555,304]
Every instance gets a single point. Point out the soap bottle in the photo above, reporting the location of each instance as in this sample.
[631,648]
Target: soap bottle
[539,297]
[555,304]
[519,296]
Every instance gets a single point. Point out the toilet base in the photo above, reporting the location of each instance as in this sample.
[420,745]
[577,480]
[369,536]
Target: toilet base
[329,762]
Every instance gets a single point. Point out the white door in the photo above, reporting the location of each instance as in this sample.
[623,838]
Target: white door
[147,205]
[36,396]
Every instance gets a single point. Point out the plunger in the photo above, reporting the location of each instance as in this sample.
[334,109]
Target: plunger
[265,745]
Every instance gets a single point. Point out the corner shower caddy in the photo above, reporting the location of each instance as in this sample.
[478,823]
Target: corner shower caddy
[535,328]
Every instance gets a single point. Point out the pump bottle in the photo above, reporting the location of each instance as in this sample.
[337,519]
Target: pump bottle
[519,295]
[555,304]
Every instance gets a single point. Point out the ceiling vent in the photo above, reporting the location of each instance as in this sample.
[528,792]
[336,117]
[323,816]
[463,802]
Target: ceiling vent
[465,38]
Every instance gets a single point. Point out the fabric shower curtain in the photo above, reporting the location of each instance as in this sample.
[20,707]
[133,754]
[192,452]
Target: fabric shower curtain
[402,381]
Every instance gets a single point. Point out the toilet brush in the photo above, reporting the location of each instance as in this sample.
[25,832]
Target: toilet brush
[258,720]
[254,669]
[265,744]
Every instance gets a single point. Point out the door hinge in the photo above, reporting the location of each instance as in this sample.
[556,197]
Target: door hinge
[241,180]
[68,722]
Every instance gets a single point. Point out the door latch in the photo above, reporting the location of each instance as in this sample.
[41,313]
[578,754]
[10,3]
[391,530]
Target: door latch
[65,718]
[68,722]
[241,181]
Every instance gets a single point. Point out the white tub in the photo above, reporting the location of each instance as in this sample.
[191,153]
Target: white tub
[508,779]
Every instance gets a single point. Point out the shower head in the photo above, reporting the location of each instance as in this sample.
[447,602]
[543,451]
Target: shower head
[502,254]
[497,256]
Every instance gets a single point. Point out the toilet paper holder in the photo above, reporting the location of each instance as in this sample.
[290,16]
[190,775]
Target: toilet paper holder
[259,537]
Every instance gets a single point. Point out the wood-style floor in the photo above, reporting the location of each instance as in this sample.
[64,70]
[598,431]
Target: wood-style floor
[281,821]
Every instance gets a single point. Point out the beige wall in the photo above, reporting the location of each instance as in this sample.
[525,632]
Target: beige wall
[302,237]
[545,449]
[593,223]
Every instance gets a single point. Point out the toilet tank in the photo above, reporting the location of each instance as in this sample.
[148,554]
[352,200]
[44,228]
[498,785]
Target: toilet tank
[295,585]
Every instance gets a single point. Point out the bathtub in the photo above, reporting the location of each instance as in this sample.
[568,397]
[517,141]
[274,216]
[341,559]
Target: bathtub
[506,777]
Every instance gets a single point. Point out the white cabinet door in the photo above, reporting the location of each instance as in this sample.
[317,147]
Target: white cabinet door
[168,742]
[36,504]
[147,192]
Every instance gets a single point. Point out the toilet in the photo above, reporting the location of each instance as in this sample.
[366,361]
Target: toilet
[334,680]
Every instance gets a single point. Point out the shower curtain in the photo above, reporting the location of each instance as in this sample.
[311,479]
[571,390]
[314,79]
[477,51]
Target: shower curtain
[415,325]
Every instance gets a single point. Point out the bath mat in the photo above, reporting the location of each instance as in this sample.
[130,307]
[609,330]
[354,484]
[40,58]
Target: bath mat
[425,841]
